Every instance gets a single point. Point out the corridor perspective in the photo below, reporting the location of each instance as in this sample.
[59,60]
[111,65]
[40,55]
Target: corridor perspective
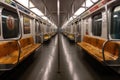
[59,39]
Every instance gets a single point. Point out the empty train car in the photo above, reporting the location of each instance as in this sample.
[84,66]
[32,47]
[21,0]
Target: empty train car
[59,40]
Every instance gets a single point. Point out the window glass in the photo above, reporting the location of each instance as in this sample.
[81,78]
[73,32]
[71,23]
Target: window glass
[78,30]
[47,29]
[86,26]
[74,26]
[26,24]
[10,24]
[97,25]
[36,27]
[115,23]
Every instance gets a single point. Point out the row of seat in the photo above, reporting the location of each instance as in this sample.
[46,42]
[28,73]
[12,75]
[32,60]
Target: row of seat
[48,36]
[9,51]
[70,36]
[93,45]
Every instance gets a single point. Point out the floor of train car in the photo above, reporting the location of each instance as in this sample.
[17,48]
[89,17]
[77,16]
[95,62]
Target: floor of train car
[73,64]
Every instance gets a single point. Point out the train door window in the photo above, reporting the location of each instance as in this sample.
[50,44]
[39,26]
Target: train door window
[73,26]
[26,24]
[86,26]
[79,27]
[47,29]
[78,30]
[10,24]
[115,23]
[41,27]
[37,27]
[97,25]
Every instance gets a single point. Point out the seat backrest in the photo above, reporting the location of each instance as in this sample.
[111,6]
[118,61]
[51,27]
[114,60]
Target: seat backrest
[100,42]
[93,41]
[7,48]
[26,41]
[87,39]
[112,48]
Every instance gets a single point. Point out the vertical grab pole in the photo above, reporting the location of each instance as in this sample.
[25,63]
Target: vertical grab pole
[108,39]
[58,14]
[20,24]
[107,19]
[18,43]
[103,48]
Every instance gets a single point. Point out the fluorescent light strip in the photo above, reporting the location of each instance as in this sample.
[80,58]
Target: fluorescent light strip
[23,2]
[58,7]
[37,11]
[58,10]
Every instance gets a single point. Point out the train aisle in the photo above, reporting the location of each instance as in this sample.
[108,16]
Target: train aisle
[76,65]
[73,65]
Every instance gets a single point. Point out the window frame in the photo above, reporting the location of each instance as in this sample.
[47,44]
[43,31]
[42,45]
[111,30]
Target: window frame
[111,22]
[95,29]
[24,31]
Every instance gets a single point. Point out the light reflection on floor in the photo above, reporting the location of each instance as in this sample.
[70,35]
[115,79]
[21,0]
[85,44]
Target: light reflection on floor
[49,64]
[69,62]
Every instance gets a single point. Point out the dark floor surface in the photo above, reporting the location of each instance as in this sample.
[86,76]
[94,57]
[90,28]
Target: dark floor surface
[73,64]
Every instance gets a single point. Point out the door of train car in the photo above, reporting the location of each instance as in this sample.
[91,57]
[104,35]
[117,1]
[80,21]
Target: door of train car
[86,26]
[37,32]
[76,31]
[72,31]
[48,29]
[83,28]
[41,31]
[78,34]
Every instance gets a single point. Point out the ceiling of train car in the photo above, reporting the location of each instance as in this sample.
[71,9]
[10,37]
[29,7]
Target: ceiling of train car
[49,7]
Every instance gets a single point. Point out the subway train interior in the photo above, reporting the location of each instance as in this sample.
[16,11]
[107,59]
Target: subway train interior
[59,39]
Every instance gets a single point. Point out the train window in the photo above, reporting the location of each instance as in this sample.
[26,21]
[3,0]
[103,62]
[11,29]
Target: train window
[37,27]
[97,25]
[74,28]
[10,24]
[47,29]
[39,30]
[78,30]
[26,24]
[86,26]
[115,23]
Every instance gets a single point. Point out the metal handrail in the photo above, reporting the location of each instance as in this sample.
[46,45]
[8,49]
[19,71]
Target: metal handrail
[103,49]
[20,24]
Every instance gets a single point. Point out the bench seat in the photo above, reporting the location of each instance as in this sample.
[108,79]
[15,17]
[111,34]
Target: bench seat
[9,50]
[93,45]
